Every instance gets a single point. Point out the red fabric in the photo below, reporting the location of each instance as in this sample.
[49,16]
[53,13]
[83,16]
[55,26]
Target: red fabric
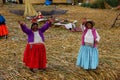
[39,17]
[3,30]
[35,56]
[34,20]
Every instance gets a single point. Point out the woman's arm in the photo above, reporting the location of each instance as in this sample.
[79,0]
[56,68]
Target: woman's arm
[24,27]
[82,27]
[98,37]
[47,25]
[83,24]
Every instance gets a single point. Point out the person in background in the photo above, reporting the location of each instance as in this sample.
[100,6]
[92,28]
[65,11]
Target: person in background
[3,27]
[79,28]
[88,52]
[35,52]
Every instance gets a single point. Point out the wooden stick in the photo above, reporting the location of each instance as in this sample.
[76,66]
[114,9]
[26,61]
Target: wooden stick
[115,19]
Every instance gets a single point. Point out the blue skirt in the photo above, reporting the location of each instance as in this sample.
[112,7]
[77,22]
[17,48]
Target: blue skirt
[87,57]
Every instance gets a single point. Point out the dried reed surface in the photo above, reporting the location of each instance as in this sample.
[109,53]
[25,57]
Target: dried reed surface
[62,48]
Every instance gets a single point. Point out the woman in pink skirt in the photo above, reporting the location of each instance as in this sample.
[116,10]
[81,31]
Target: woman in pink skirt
[35,52]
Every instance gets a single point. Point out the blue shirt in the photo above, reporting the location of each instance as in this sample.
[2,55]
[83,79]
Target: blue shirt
[2,19]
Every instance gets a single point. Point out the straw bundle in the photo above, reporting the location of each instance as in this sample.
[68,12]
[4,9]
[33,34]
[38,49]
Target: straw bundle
[29,10]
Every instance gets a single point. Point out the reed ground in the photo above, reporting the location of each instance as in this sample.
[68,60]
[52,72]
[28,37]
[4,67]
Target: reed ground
[62,47]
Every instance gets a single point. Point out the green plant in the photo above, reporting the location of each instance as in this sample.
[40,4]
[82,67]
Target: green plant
[86,5]
[98,4]
[113,3]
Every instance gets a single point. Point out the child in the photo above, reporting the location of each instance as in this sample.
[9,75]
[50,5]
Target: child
[3,27]
[88,53]
[35,52]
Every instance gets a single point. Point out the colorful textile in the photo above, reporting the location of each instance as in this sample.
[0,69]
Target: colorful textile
[35,56]
[3,30]
[87,57]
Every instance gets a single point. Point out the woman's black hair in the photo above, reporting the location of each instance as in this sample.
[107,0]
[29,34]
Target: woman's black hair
[91,22]
[33,25]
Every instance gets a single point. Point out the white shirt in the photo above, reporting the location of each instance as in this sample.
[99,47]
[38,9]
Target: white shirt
[70,25]
[89,36]
[37,38]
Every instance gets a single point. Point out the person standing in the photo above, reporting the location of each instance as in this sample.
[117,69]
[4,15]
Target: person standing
[88,52]
[3,27]
[35,52]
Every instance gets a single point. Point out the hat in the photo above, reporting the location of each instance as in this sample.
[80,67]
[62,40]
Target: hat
[91,22]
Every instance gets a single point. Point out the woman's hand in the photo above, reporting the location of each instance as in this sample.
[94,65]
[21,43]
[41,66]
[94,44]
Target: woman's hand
[96,42]
[51,20]
[20,22]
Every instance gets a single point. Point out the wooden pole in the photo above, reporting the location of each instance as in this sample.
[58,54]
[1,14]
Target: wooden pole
[115,20]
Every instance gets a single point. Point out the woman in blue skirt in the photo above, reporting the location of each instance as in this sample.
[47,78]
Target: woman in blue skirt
[88,53]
